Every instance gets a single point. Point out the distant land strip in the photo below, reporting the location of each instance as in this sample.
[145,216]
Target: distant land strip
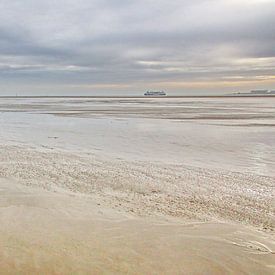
[185,96]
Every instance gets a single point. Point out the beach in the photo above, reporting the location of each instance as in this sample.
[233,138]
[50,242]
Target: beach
[137,185]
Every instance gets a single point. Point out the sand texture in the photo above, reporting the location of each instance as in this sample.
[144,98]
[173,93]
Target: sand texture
[46,233]
[100,217]
[137,186]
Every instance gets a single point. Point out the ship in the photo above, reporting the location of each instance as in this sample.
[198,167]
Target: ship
[155,93]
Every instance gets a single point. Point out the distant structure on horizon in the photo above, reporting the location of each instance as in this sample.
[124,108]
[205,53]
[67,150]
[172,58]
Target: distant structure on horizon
[155,93]
[258,92]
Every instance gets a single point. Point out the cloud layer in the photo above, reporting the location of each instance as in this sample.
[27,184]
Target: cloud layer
[129,45]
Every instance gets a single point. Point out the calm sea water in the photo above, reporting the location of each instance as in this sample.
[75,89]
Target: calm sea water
[236,134]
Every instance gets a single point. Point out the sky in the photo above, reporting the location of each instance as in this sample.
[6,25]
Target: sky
[130,46]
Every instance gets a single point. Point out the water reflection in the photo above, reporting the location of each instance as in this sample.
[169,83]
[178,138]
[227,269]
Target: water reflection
[232,134]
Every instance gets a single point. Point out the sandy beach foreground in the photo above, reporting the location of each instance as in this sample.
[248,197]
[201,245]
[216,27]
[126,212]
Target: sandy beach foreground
[48,233]
[98,188]
[99,217]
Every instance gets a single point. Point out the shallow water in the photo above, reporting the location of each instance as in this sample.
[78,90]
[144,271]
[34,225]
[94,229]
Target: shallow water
[236,134]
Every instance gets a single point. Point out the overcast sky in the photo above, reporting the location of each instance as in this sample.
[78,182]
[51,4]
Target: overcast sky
[197,46]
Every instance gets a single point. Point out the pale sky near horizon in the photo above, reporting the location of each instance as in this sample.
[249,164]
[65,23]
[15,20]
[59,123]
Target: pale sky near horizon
[121,46]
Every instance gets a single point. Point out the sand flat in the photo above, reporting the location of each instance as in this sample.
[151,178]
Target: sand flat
[234,134]
[49,233]
[137,186]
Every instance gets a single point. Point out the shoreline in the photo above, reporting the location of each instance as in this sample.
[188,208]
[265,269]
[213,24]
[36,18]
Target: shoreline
[142,97]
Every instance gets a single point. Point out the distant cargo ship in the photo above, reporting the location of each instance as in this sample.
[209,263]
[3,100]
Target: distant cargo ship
[155,93]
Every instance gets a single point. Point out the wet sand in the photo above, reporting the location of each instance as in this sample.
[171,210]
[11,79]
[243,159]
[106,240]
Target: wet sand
[234,134]
[52,233]
[71,204]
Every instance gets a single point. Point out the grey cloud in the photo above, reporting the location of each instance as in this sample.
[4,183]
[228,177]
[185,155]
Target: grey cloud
[131,41]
